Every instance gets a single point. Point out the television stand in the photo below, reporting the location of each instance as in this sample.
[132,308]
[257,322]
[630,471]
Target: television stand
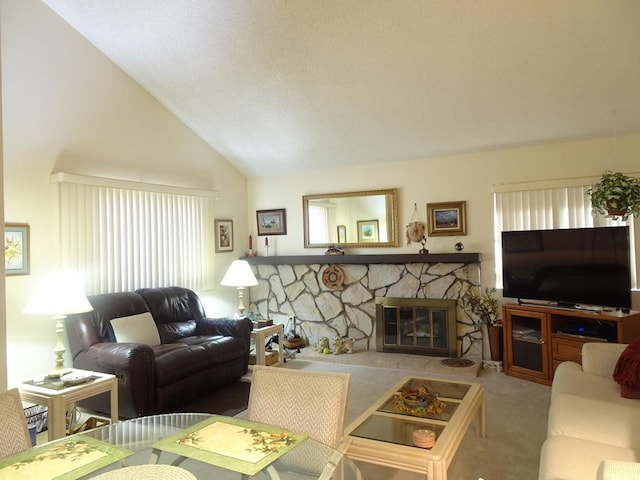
[538,338]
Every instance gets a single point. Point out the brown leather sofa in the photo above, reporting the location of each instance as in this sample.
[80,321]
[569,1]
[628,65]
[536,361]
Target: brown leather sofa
[196,354]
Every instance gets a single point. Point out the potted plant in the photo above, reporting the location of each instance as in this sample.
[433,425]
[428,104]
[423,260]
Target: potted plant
[616,195]
[485,308]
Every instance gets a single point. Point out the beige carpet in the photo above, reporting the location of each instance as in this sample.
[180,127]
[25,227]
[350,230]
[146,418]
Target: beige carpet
[516,413]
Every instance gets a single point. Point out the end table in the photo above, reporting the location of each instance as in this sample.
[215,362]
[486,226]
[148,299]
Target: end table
[259,335]
[57,397]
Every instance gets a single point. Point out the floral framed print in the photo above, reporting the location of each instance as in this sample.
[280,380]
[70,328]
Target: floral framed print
[446,218]
[367,231]
[272,222]
[16,249]
[224,235]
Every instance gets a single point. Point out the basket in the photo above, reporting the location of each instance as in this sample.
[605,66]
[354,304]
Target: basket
[91,423]
[294,342]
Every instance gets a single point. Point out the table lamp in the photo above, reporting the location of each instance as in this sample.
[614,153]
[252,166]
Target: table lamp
[240,276]
[58,294]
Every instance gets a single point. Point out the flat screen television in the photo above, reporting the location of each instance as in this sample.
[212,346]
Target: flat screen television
[568,267]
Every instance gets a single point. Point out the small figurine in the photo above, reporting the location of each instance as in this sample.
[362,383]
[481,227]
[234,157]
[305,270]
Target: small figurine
[323,345]
[338,346]
[348,345]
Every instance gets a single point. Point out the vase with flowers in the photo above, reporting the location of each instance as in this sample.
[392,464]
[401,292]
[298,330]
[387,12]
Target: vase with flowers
[484,308]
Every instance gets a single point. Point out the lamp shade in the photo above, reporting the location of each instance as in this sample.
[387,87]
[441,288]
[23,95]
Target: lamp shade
[59,293]
[239,275]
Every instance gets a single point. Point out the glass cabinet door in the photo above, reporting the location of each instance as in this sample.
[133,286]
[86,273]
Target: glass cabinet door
[527,343]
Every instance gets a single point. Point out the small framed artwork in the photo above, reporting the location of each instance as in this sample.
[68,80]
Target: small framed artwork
[342,234]
[446,218]
[16,249]
[272,222]
[224,235]
[367,231]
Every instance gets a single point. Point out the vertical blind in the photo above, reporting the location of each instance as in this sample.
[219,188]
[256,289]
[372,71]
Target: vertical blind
[318,224]
[548,208]
[121,239]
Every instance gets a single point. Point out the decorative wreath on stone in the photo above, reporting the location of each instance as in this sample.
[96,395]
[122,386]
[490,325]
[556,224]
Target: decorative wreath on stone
[333,277]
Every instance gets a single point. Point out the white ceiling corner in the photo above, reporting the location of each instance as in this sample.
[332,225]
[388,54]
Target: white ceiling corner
[291,85]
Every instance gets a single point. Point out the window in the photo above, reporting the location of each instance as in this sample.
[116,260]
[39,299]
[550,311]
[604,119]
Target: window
[123,235]
[517,208]
[318,223]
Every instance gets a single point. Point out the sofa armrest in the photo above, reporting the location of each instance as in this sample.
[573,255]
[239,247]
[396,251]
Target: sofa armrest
[616,470]
[601,358]
[134,366]
[228,327]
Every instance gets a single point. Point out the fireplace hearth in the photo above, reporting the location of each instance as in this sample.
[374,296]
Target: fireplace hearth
[421,326]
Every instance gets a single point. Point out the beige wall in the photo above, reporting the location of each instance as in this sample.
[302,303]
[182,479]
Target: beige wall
[468,177]
[68,108]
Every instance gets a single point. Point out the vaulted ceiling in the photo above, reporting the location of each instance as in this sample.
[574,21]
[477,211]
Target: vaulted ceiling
[289,85]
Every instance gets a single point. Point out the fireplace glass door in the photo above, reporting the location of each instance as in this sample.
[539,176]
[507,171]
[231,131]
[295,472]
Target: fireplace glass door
[423,326]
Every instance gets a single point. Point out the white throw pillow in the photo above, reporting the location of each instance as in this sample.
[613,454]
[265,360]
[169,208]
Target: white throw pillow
[136,329]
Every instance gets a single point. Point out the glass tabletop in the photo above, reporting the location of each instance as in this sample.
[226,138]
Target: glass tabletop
[309,459]
[146,440]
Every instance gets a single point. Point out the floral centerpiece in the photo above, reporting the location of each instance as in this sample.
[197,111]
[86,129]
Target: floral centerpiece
[419,403]
[484,306]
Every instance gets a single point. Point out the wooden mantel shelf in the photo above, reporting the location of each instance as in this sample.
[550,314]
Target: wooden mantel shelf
[366,259]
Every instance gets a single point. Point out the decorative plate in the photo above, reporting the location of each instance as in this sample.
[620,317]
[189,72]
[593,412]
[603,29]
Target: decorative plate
[333,277]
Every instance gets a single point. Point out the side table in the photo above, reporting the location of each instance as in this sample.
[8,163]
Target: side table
[259,336]
[57,398]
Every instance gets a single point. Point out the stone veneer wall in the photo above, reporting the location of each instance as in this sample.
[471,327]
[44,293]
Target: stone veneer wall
[297,290]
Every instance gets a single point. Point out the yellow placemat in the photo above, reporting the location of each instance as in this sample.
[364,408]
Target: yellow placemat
[232,443]
[65,459]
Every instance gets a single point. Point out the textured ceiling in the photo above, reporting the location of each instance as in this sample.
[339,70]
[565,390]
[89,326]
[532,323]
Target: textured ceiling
[288,85]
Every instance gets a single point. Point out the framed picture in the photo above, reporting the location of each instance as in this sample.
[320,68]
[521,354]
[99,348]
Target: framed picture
[272,222]
[367,231]
[224,235]
[342,234]
[16,249]
[446,218]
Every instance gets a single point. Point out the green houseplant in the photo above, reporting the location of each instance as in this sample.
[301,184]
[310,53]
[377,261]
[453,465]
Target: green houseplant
[485,308]
[615,195]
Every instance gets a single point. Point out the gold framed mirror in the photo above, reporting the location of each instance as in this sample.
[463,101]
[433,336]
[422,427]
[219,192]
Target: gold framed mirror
[362,219]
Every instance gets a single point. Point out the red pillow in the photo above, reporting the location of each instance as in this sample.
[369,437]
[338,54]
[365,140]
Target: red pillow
[627,371]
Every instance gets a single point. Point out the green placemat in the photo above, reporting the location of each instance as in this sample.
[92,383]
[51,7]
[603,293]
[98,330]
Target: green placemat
[65,459]
[232,443]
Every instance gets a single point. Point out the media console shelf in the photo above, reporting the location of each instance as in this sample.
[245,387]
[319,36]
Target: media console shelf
[537,338]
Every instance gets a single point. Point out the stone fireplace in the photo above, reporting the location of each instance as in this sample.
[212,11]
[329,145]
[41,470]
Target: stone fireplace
[330,296]
[423,326]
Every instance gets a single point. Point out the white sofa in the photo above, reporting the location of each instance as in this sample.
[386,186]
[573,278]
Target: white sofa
[593,432]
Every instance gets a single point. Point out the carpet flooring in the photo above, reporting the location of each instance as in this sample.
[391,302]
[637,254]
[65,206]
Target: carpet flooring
[516,416]
[228,401]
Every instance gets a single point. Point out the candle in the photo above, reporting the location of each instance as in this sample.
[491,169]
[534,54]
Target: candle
[266,241]
[250,243]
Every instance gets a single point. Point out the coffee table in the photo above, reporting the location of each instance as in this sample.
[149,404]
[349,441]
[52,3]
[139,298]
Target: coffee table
[384,436]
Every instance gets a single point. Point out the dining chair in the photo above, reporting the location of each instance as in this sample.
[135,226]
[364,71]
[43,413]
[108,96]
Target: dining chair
[309,402]
[14,433]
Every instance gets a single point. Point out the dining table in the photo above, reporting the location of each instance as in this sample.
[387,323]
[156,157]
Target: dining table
[182,446]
